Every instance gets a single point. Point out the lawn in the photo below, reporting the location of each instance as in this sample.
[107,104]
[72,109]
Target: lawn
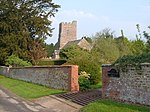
[112,106]
[25,89]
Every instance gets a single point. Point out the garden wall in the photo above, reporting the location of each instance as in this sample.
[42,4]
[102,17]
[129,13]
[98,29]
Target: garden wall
[132,84]
[57,77]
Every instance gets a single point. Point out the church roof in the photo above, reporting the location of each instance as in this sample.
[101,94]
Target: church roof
[81,42]
[75,42]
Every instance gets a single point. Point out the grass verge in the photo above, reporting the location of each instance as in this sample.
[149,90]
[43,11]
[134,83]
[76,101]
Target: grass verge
[25,89]
[112,106]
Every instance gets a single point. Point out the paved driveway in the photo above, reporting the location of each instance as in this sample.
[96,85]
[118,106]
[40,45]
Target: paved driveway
[12,103]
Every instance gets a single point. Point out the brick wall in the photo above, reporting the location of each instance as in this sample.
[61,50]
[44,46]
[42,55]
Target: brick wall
[133,85]
[57,77]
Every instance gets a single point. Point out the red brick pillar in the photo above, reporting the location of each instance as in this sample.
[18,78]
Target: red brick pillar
[74,78]
[105,78]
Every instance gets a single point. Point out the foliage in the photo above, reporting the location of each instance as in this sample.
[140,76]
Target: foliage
[113,106]
[84,81]
[87,61]
[97,86]
[50,49]
[105,33]
[138,46]
[84,74]
[51,62]
[105,46]
[124,46]
[110,48]
[15,61]
[23,27]
[37,51]
[147,36]
[133,59]
[140,51]
[25,89]
[71,52]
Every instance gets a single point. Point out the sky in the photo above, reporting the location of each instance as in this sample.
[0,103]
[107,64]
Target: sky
[95,15]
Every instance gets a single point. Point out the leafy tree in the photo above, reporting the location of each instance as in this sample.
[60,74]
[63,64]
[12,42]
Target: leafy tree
[50,49]
[147,36]
[138,46]
[22,22]
[84,59]
[105,33]
[105,46]
[37,51]
[124,46]
[139,31]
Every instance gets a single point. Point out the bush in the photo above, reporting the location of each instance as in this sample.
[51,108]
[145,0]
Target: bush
[84,81]
[15,61]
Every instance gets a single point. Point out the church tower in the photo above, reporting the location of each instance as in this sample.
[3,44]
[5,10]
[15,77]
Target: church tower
[67,32]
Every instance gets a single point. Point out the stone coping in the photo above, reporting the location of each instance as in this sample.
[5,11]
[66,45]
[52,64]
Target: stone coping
[142,64]
[56,66]
[106,65]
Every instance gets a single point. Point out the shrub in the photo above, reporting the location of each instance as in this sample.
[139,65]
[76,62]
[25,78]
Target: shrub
[15,61]
[84,81]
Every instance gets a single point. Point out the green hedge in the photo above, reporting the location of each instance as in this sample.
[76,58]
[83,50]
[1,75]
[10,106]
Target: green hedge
[134,59]
[51,62]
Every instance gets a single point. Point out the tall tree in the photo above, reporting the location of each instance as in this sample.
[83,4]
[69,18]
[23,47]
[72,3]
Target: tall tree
[105,46]
[21,23]
[50,49]
[138,46]
[147,36]
[124,46]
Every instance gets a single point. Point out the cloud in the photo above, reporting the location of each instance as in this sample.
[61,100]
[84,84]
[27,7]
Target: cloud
[78,14]
[66,15]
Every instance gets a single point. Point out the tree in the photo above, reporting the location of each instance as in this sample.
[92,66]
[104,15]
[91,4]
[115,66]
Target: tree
[138,46]
[50,49]
[147,36]
[84,59]
[21,23]
[124,46]
[105,46]
[37,51]
[105,33]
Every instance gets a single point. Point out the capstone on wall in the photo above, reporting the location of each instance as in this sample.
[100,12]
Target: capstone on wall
[132,85]
[57,77]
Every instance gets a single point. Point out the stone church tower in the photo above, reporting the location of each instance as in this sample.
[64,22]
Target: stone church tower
[67,32]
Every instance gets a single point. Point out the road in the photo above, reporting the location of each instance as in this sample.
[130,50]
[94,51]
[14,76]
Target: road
[11,103]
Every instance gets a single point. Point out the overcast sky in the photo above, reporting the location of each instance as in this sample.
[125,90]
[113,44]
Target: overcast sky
[94,15]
